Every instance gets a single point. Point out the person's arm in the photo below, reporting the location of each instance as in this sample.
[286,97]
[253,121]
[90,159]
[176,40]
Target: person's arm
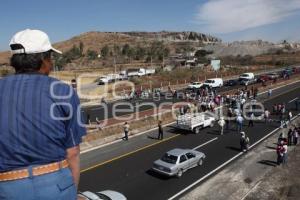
[74,162]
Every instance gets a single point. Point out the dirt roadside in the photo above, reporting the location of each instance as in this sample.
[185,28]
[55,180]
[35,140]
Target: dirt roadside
[255,176]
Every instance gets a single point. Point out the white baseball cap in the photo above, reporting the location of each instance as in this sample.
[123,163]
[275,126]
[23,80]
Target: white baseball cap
[31,41]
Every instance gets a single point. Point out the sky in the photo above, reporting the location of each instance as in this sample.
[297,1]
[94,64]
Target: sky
[230,20]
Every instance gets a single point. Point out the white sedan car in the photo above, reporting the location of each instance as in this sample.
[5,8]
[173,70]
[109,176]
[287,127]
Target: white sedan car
[104,195]
[177,161]
[195,85]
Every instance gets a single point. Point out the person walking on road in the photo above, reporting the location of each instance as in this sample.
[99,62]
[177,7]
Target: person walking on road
[251,120]
[160,131]
[40,128]
[269,93]
[290,116]
[239,121]
[267,115]
[221,123]
[126,131]
[244,142]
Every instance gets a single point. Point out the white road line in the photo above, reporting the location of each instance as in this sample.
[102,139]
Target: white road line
[221,166]
[255,186]
[97,108]
[293,100]
[118,141]
[204,177]
[197,147]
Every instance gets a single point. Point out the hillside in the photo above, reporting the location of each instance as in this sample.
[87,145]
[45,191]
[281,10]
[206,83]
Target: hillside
[95,41]
[252,48]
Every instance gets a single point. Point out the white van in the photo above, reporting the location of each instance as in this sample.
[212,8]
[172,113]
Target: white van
[214,82]
[248,76]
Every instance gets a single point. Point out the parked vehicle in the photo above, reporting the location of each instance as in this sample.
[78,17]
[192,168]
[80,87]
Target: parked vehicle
[248,76]
[104,195]
[195,85]
[214,82]
[178,161]
[144,72]
[232,82]
[109,78]
[195,121]
[296,70]
[273,76]
[263,78]
[286,72]
[247,81]
[132,72]
[103,80]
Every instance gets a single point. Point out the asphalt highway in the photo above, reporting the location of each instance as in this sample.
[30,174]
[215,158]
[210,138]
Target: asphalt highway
[125,167]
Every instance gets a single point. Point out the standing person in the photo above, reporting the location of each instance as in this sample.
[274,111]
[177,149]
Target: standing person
[221,123]
[88,120]
[251,123]
[160,131]
[244,142]
[290,137]
[279,151]
[40,128]
[126,131]
[239,121]
[267,115]
[285,153]
[290,116]
[295,136]
[99,124]
[269,93]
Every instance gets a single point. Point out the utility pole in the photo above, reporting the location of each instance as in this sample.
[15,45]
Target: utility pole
[115,65]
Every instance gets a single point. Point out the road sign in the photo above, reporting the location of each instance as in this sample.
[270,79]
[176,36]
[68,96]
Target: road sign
[215,64]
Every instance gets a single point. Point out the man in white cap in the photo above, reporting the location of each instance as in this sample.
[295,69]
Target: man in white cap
[40,125]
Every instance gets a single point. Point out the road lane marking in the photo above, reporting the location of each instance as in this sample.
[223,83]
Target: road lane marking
[197,147]
[222,165]
[293,100]
[116,141]
[129,153]
[252,189]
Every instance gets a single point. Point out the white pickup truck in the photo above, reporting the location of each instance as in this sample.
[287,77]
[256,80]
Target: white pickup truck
[195,121]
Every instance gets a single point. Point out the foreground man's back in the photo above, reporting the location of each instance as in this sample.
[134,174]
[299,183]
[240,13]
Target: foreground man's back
[40,126]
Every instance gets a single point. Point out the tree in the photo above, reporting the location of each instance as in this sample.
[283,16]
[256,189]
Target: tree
[92,55]
[202,53]
[81,46]
[140,53]
[104,51]
[125,50]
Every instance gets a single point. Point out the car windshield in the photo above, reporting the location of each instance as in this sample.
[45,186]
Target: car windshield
[244,75]
[169,158]
[104,197]
[209,81]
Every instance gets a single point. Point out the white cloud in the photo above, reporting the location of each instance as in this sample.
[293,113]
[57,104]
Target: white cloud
[226,16]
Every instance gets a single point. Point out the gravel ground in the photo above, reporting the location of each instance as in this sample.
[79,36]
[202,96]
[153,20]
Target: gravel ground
[254,176]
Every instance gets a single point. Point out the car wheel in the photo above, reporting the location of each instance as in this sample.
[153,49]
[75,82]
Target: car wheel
[179,173]
[200,162]
[197,130]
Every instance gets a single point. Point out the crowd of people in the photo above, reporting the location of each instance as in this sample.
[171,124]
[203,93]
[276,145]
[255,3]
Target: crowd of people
[284,141]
